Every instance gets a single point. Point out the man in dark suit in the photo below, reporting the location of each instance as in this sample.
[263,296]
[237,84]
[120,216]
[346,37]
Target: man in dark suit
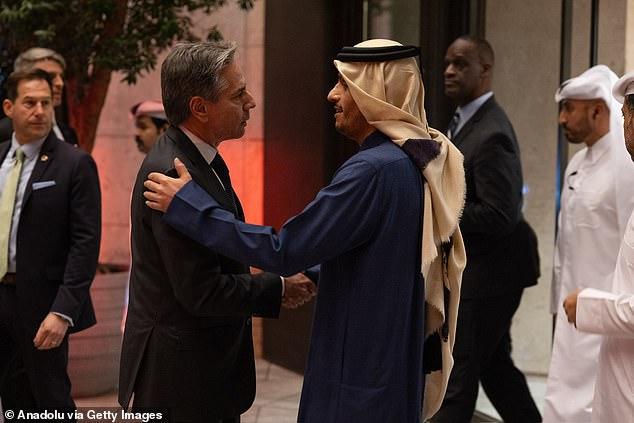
[377,230]
[50,227]
[54,64]
[502,257]
[187,345]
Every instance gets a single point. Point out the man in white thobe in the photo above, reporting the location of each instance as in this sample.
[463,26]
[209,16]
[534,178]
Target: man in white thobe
[611,314]
[597,199]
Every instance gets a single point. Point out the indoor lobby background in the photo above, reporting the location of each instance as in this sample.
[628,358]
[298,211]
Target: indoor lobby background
[291,150]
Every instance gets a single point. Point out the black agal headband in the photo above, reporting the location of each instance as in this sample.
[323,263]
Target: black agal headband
[376,54]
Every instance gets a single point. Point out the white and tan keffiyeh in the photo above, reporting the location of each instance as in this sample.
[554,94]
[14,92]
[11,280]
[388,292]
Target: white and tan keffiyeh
[390,95]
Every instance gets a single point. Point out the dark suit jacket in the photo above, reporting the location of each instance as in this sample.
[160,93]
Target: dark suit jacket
[187,345]
[58,236]
[6,129]
[501,246]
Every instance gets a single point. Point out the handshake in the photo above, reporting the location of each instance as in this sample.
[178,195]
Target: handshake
[298,290]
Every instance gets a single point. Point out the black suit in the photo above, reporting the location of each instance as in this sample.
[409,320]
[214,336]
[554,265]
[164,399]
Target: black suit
[187,345]
[502,260]
[6,129]
[57,248]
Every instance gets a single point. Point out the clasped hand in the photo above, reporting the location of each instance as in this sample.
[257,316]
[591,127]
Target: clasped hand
[298,290]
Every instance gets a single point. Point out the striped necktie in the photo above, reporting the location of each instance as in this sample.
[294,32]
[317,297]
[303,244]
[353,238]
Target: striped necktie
[7,204]
[453,125]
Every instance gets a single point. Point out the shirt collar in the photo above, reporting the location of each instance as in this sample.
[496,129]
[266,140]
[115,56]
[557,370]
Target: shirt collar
[469,109]
[372,140]
[598,149]
[207,151]
[30,150]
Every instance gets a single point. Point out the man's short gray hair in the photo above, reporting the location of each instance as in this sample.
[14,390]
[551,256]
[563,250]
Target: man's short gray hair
[193,70]
[27,59]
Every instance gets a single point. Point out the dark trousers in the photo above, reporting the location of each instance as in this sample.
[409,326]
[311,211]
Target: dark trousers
[145,398]
[482,353]
[30,379]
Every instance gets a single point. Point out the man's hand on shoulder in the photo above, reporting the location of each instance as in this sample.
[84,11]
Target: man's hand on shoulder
[162,188]
[298,290]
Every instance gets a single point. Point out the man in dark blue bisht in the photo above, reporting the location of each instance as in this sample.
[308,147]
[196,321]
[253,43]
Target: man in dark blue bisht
[386,234]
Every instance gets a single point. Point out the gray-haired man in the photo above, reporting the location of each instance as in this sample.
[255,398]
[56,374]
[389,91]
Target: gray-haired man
[187,344]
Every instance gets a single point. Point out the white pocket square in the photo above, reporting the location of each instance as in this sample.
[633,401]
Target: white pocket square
[42,184]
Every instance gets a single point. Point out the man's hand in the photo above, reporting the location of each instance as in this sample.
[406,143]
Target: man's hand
[298,290]
[51,332]
[162,188]
[570,306]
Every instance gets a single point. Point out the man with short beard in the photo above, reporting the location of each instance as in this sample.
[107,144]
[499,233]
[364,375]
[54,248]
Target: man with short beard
[610,313]
[596,200]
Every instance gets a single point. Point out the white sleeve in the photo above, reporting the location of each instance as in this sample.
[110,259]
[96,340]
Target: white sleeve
[605,313]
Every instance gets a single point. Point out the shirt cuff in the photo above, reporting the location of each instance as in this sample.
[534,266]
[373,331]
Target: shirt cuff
[283,286]
[65,317]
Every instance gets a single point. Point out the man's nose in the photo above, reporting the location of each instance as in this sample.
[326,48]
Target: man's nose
[562,118]
[331,95]
[58,81]
[449,70]
[250,103]
[39,108]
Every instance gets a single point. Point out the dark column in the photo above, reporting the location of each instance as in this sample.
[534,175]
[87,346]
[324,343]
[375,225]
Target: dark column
[301,147]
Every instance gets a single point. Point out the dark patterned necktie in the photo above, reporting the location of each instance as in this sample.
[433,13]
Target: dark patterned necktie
[453,125]
[220,167]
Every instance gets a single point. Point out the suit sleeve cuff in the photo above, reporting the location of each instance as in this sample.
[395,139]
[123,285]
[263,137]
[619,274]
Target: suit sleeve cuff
[65,317]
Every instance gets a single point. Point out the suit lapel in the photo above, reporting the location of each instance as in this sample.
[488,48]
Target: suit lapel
[471,123]
[4,149]
[199,168]
[45,157]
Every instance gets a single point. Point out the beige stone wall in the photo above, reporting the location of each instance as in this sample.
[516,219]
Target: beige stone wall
[526,44]
[629,37]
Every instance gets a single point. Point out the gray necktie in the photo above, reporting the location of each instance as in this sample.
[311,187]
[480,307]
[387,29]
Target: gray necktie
[7,204]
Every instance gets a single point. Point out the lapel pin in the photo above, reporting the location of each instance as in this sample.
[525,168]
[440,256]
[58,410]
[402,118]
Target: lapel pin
[44,158]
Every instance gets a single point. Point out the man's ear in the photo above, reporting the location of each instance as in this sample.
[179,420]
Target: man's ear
[198,108]
[598,107]
[486,69]
[7,106]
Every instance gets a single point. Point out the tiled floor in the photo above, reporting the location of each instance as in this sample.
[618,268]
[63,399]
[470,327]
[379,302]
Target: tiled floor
[276,401]
[278,392]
